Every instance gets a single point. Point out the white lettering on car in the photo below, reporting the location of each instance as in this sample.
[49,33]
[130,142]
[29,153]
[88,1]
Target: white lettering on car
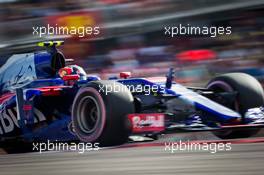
[149,121]
[8,120]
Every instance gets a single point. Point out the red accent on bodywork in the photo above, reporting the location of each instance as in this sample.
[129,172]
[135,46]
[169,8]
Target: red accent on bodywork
[125,75]
[152,122]
[51,90]
[6,97]
[27,107]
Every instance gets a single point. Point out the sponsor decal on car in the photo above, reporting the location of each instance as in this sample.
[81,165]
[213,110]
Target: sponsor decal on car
[152,122]
[9,122]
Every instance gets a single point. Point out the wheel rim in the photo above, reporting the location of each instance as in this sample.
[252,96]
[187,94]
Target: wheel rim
[89,114]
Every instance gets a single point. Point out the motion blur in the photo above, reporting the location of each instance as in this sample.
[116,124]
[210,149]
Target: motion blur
[132,35]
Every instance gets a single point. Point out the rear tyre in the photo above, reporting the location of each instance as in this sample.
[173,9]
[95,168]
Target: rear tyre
[99,113]
[250,95]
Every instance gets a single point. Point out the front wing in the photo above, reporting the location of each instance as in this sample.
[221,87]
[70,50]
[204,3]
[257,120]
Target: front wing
[160,123]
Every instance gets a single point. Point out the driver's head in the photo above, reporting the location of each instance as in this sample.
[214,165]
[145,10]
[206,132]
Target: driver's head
[73,70]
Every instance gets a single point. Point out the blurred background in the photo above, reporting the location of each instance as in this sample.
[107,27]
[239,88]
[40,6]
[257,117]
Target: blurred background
[132,35]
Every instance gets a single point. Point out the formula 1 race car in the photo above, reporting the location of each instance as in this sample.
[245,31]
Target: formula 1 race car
[43,99]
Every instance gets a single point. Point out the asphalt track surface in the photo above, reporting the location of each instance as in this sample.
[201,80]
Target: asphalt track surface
[245,157]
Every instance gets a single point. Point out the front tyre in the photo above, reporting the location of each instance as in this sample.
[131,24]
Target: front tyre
[99,113]
[250,95]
